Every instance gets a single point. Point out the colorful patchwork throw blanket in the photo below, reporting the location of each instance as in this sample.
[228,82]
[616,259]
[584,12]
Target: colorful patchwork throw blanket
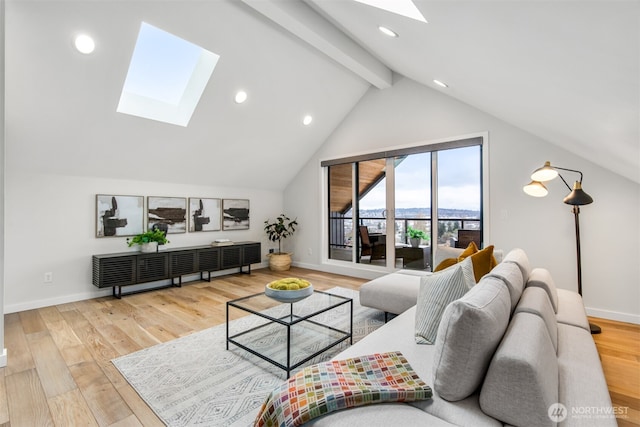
[334,385]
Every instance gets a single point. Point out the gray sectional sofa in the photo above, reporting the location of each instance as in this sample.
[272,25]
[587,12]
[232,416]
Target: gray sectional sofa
[514,350]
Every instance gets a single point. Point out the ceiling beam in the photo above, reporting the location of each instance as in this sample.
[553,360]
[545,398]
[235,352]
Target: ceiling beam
[302,21]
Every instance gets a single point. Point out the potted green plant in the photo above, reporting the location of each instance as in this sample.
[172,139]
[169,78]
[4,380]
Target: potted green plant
[278,230]
[149,240]
[415,236]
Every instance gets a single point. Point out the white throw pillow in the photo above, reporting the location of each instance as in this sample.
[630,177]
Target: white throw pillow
[436,292]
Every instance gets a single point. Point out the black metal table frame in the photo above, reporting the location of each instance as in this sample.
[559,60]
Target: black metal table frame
[295,319]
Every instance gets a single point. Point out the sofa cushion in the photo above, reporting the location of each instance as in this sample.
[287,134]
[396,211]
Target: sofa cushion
[483,260]
[443,252]
[398,335]
[382,414]
[541,278]
[567,305]
[446,263]
[510,274]
[522,380]
[470,330]
[498,255]
[581,379]
[571,310]
[436,292]
[535,301]
[471,249]
[392,293]
[409,272]
[519,257]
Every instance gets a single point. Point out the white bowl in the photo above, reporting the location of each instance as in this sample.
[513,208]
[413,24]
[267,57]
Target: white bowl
[288,295]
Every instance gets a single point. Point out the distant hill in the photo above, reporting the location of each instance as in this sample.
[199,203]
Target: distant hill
[422,213]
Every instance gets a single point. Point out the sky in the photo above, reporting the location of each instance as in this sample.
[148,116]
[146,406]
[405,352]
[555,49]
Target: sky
[162,65]
[458,178]
[166,77]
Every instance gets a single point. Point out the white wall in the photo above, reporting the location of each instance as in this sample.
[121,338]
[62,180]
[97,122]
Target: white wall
[49,219]
[3,354]
[410,113]
[50,227]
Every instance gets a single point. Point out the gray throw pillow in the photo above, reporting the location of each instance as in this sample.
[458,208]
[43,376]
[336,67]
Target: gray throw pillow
[470,331]
[436,292]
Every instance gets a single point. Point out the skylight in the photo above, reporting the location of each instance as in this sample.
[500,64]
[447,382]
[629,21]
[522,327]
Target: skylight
[166,77]
[401,7]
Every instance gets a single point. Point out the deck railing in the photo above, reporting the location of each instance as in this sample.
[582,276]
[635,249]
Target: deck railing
[342,232]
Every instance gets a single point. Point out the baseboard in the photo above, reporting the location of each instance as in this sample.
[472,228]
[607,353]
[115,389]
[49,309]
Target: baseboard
[614,315]
[65,299]
[364,272]
[3,358]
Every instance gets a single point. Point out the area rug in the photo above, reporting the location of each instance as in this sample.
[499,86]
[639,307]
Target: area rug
[195,381]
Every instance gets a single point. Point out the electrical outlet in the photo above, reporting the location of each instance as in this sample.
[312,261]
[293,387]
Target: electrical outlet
[309,251]
[48,277]
[271,250]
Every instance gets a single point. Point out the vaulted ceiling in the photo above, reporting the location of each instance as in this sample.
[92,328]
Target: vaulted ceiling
[565,71]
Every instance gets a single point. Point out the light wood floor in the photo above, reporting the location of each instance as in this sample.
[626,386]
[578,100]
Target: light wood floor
[619,348]
[59,371]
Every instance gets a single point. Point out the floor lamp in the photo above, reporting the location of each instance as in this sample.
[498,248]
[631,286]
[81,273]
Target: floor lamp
[576,198]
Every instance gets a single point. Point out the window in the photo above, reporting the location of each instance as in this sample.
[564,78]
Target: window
[166,78]
[341,212]
[375,199]
[459,195]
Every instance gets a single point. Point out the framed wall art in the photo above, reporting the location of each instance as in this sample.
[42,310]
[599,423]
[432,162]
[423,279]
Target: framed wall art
[235,214]
[119,215]
[204,214]
[169,214]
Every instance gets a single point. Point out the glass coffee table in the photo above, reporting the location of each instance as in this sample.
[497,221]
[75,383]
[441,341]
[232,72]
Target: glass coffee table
[290,334]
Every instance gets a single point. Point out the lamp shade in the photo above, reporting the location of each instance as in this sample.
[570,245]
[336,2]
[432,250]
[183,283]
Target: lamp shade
[545,173]
[535,189]
[578,197]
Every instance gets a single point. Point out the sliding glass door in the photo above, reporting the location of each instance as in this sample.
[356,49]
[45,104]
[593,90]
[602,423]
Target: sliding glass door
[412,211]
[459,196]
[394,209]
[372,209]
[340,198]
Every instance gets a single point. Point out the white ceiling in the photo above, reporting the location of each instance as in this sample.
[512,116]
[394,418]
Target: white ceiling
[566,71]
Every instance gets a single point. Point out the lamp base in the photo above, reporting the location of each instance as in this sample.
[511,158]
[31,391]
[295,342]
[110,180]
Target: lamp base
[595,329]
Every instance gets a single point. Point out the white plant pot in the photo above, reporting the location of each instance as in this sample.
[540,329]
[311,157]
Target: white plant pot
[149,247]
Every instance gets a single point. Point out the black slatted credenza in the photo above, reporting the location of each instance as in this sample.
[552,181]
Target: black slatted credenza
[134,268]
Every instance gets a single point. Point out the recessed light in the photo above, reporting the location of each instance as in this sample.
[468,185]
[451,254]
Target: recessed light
[241,96]
[387,32]
[439,83]
[84,44]
[307,120]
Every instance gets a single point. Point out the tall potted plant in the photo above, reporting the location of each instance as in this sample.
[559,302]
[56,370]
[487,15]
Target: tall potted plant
[278,230]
